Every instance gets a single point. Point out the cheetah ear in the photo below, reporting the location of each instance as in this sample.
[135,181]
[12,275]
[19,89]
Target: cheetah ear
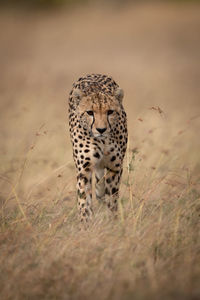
[119,94]
[77,95]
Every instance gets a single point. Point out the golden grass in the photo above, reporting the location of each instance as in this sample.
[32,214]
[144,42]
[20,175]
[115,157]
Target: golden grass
[152,250]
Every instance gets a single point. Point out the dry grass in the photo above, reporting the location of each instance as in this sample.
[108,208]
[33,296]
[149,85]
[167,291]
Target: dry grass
[152,250]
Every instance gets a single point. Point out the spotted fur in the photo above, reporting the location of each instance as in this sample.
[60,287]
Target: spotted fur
[98,130]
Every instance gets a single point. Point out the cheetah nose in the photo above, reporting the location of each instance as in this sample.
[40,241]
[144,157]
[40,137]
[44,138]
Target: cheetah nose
[101,130]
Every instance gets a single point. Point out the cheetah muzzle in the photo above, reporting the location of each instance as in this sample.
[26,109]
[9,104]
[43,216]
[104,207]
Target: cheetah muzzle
[98,130]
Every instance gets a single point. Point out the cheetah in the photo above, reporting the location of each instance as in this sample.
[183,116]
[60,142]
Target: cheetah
[98,131]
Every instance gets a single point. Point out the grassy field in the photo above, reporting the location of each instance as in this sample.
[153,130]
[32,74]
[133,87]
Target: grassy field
[153,250]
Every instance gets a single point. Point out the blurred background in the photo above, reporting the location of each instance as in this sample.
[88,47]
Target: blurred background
[152,49]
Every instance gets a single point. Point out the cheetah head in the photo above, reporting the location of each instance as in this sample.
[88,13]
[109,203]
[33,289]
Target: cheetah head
[99,114]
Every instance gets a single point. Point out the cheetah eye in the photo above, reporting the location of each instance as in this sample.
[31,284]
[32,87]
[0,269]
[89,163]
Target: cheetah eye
[90,112]
[110,112]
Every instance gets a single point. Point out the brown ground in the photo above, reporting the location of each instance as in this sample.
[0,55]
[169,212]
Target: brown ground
[152,251]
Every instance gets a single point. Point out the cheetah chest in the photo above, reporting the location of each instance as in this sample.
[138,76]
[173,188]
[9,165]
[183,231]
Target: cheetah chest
[107,155]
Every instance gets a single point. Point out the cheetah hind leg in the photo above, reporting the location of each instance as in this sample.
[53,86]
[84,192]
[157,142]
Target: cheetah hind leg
[100,185]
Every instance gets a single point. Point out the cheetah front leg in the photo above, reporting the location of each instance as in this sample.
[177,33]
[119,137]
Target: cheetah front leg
[84,190]
[112,183]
